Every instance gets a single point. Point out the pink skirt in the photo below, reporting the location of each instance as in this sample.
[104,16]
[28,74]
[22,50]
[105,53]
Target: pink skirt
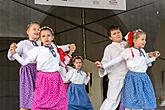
[50,93]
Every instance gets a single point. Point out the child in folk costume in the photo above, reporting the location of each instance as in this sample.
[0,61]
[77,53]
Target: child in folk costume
[116,74]
[77,96]
[49,91]
[28,72]
[138,92]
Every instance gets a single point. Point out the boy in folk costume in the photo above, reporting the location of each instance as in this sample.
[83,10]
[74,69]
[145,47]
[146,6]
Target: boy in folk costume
[116,73]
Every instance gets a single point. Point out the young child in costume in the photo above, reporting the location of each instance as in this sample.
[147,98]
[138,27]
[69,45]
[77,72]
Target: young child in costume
[116,73]
[138,92]
[28,72]
[77,96]
[49,91]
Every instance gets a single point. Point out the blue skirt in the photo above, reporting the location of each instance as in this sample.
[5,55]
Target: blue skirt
[138,92]
[78,98]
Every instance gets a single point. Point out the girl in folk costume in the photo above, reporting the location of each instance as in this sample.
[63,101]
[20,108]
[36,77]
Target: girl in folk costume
[138,92]
[49,91]
[77,96]
[28,72]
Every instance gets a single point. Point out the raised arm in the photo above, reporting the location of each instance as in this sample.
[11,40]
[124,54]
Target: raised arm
[69,56]
[67,47]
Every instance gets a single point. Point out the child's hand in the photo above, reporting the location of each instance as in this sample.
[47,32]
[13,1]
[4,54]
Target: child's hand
[13,47]
[98,64]
[72,47]
[88,73]
[70,52]
[150,54]
[154,54]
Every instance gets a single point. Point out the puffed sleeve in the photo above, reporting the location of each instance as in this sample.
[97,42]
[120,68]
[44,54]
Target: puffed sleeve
[86,80]
[67,59]
[69,75]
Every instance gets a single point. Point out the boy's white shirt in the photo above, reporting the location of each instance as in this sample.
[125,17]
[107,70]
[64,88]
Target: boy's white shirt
[112,51]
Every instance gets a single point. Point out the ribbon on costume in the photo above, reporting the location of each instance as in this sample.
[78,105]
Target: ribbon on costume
[62,55]
[130,38]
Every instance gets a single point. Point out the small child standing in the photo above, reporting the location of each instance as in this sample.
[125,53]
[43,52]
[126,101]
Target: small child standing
[116,73]
[49,91]
[77,96]
[138,92]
